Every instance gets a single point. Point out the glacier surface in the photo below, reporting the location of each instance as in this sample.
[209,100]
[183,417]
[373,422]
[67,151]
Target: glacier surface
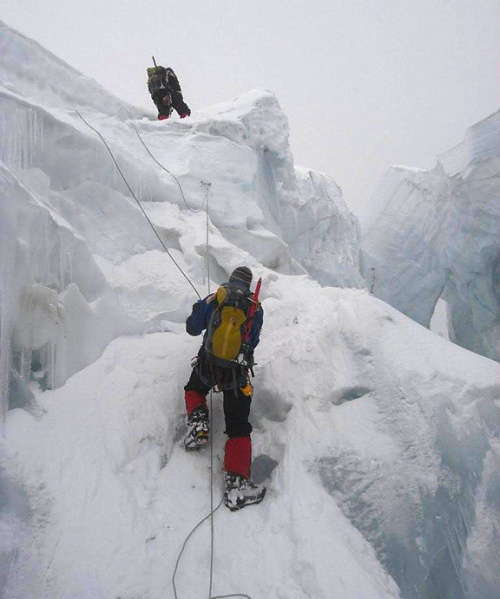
[436,234]
[378,440]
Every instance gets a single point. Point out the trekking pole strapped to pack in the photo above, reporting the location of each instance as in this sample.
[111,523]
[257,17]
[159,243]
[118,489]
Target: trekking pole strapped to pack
[253,308]
[249,324]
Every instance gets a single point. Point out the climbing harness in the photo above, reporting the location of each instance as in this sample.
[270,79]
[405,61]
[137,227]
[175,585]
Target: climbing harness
[207,187]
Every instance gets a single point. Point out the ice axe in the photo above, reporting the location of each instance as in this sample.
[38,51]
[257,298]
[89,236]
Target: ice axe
[251,314]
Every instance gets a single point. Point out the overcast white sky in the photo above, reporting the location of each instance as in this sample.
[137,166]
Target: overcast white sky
[365,83]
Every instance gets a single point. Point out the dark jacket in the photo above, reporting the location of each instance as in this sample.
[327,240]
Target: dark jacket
[163,79]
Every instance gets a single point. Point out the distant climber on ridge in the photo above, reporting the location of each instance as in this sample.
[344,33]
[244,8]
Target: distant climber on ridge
[166,92]
[231,318]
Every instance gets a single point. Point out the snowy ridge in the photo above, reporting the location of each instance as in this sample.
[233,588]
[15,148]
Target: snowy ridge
[377,439]
[31,71]
[482,141]
[68,168]
[438,236]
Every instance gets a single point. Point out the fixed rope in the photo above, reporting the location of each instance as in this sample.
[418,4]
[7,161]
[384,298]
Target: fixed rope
[207,187]
[210,515]
[212,509]
[184,545]
[171,174]
[139,204]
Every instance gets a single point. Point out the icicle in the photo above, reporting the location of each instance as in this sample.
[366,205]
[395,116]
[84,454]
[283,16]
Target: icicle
[5,351]
[47,252]
[11,158]
[41,141]
[25,366]
[61,273]
[4,134]
[52,365]
[23,141]
[31,137]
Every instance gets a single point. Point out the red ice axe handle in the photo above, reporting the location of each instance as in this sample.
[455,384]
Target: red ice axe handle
[251,312]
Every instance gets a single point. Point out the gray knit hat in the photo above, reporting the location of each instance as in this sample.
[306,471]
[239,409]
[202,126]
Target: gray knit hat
[243,274]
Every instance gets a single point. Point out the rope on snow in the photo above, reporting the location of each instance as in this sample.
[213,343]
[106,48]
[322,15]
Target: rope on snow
[195,210]
[139,204]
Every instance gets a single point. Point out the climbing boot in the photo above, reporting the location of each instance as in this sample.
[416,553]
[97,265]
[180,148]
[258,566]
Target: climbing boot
[241,491]
[197,429]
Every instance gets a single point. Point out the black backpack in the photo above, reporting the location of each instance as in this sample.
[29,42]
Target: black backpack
[156,79]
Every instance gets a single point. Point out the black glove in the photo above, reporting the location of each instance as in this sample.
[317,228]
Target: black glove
[248,355]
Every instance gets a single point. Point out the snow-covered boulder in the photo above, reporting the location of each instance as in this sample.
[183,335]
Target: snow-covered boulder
[436,235]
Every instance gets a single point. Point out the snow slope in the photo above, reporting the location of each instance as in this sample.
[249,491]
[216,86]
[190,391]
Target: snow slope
[377,439]
[437,234]
[285,220]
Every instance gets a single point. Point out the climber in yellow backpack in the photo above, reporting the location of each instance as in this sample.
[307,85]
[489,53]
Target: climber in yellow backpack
[232,319]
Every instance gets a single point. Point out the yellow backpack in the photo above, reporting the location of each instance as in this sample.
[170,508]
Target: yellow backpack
[226,328]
